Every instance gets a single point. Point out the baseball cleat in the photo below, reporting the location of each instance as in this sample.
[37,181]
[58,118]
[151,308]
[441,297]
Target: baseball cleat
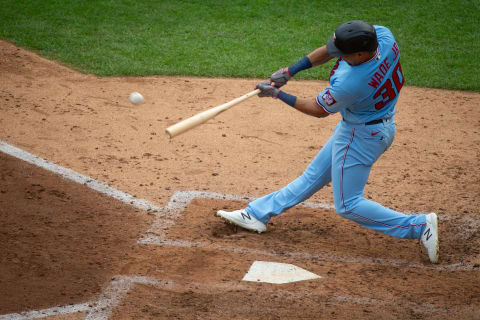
[430,237]
[242,219]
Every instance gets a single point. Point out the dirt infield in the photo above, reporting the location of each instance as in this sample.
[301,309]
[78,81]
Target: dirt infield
[69,252]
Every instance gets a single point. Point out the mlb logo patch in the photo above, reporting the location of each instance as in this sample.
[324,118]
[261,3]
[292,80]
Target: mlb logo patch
[328,98]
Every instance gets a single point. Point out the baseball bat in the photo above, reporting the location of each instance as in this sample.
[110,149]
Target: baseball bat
[206,115]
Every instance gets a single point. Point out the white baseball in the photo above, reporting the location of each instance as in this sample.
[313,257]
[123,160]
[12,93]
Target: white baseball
[136,98]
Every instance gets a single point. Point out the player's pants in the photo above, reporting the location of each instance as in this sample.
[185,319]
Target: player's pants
[345,160]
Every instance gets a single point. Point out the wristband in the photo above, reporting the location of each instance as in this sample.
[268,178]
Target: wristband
[302,64]
[287,98]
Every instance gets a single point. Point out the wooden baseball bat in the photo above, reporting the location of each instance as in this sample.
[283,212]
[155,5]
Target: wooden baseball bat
[202,117]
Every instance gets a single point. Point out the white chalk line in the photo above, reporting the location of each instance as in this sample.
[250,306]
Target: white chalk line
[181,199]
[326,257]
[37,314]
[71,175]
[113,295]
[110,298]
[116,290]
[120,286]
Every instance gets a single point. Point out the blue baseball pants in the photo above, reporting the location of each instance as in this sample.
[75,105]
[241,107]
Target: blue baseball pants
[345,160]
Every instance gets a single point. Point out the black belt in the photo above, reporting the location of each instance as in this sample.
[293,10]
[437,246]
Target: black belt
[369,123]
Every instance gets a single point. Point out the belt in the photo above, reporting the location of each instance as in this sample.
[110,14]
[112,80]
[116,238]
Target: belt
[369,123]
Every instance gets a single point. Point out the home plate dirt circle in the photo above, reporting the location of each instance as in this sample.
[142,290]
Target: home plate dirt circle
[68,251]
[180,206]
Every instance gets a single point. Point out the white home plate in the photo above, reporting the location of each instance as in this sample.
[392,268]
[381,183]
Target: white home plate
[278,273]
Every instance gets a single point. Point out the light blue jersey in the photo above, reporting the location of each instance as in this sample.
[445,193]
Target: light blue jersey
[368,91]
[362,94]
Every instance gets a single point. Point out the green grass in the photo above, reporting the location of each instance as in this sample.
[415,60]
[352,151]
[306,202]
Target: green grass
[439,39]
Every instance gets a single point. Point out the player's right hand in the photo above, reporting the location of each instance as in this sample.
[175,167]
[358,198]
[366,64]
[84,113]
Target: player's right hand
[280,77]
[267,90]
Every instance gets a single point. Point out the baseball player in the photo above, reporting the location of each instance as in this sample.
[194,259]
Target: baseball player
[365,83]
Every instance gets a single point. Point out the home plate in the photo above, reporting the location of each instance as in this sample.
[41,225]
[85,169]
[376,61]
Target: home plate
[278,273]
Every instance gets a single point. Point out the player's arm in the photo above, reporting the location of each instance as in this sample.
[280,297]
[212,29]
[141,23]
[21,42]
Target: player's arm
[317,57]
[310,107]
[307,106]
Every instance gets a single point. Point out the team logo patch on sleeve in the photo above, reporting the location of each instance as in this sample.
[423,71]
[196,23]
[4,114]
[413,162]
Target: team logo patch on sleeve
[328,98]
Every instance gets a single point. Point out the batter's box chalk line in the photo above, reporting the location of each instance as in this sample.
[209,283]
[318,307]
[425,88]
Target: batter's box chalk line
[98,309]
[116,291]
[166,217]
[71,175]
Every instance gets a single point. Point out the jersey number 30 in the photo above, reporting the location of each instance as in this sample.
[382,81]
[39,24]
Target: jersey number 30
[387,92]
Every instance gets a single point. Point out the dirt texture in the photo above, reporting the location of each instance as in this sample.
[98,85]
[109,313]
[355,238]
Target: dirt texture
[59,241]
[63,244]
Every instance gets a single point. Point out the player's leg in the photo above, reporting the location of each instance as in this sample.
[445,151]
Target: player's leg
[353,154]
[259,211]
[316,176]
[351,204]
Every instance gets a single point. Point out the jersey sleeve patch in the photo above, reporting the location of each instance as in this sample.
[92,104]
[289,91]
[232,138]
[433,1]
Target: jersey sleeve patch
[328,98]
[322,106]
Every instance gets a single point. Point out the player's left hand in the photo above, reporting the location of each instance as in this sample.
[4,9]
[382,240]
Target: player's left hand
[267,90]
[280,77]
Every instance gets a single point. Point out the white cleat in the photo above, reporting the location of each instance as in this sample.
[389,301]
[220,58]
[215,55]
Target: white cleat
[242,219]
[430,237]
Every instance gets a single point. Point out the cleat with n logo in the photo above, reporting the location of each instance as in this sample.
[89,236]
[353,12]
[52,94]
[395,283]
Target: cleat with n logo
[242,219]
[430,237]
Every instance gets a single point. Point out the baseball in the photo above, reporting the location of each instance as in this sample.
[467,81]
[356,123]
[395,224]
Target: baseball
[136,98]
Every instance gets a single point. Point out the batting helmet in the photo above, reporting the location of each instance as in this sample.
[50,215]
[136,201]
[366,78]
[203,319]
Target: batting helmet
[352,36]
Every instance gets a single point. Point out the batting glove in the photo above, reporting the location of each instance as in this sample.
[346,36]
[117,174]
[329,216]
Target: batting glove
[281,77]
[267,90]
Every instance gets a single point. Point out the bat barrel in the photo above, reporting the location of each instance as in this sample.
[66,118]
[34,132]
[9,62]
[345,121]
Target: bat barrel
[189,123]
[204,116]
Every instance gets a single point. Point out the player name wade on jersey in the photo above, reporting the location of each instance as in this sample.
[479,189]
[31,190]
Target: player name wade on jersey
[377,78]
